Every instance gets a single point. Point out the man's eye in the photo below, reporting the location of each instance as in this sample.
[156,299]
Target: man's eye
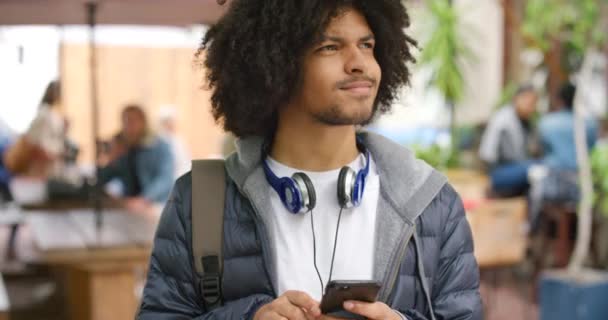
[329,48]
[367,45]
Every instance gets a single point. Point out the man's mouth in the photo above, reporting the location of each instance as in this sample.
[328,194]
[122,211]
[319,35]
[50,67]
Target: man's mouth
[358,88]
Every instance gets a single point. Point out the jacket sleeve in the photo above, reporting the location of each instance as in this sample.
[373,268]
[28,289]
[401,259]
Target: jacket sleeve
[171,291]
[455,293]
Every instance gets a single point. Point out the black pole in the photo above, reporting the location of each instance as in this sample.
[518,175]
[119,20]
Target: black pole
[96,194]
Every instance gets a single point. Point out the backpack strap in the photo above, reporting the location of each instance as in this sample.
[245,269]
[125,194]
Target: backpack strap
[208,194]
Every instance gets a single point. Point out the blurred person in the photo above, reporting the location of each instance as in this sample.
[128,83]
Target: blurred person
[294,80]
[505,148]
[112,149]
[145,169]
[40,149]
[556,132]
[555,178]
[39,152]
[168,131]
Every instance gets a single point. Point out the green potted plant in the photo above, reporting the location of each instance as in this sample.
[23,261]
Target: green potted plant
[445,51]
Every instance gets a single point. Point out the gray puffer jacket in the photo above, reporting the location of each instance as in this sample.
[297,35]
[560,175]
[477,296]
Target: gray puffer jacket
[414,200]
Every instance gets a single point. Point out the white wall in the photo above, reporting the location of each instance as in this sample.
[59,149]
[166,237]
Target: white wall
[421,106]
[23,79]
[483,27]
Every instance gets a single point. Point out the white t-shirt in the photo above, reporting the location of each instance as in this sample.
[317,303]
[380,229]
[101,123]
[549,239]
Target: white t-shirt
[292,234]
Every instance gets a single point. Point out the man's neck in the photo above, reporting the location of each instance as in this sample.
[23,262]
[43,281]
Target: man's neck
[312,146]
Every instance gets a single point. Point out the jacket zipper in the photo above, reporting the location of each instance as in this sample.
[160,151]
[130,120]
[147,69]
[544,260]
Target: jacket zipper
[265,242]
[391,277]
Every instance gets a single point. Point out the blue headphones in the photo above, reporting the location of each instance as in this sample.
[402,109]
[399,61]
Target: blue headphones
[298,193]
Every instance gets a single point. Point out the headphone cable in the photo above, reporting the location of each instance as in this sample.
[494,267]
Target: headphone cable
[333,254]
[314,250]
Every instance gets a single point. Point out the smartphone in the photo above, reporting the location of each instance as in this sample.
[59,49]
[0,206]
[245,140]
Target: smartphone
[339,291]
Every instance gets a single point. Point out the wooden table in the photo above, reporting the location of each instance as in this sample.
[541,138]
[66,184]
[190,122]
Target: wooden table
[71,204]
[498,228]
[101,267]
[497,225]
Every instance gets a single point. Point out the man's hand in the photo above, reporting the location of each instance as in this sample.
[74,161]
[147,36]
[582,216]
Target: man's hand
[292,305]
[372,311]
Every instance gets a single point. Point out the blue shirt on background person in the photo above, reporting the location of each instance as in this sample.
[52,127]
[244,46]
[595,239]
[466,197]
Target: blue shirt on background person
[146,170]
[146,167]
[556,132]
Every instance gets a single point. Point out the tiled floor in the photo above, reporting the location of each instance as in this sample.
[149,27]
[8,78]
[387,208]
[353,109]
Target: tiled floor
[507,297]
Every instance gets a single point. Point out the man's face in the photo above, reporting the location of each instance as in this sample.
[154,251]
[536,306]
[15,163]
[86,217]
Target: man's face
[133,126]
[340,73]
[525,104]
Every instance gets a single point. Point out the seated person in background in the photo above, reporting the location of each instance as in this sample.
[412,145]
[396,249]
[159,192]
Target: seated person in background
[556,131]
[111,151]
[39,151]
[505,144]
[145,169]
[555,180]
[114,148]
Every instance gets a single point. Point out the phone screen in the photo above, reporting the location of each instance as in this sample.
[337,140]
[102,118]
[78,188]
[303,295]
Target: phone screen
[337,292]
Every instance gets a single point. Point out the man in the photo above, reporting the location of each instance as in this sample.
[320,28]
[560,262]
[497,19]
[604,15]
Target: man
[293,80]
[505,144]
[146,168]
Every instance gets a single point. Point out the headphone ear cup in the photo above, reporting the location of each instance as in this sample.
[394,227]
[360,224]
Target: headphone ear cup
[307,190]
[358,188]
[290,195]
[345,187]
